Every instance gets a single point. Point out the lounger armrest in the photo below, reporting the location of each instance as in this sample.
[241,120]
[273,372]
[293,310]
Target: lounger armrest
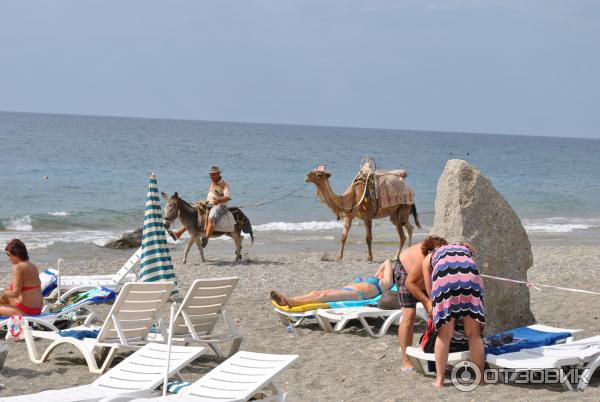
[418,353]
[30,319]
[41,322]
[120,398]
[143,394]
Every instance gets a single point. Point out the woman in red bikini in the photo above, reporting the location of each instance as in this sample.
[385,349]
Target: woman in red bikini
[24,294]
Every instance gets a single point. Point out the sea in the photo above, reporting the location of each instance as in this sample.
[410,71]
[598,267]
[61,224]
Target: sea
[69,184]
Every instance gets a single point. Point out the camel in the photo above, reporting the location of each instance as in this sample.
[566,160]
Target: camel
[352,204]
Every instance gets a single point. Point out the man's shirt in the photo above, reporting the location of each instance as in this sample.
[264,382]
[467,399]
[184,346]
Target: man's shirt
[219,190]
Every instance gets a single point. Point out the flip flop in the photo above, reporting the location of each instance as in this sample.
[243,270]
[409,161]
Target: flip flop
[407,370]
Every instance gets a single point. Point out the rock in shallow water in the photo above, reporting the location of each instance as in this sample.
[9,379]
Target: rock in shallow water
[468,208]
[127,240]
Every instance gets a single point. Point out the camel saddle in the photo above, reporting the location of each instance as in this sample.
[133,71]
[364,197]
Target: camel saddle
[387,188]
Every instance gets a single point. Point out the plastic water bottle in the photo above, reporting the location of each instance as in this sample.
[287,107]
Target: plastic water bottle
[291,330]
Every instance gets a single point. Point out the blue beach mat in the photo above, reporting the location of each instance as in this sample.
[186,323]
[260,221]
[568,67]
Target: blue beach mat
[525,338]
[175,387]
[358,303]
[96,295]
[80,333]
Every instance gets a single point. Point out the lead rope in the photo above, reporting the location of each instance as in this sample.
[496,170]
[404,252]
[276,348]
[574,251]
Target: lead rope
[260,204]
[530,284]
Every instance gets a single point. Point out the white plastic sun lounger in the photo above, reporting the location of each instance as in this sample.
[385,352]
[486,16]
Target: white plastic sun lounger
[419,358]
[295,318]
[583,354]
[341,316]
[71,284]
[236,379]
[138,306]
[138,375]
[201,310]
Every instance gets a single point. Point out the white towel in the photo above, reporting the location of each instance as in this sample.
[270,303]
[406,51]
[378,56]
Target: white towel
[583,349]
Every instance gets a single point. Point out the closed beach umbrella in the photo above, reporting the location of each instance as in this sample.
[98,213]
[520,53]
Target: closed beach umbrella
[156,264]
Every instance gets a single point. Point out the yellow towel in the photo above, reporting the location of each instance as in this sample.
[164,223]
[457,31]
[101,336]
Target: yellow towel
[300,309]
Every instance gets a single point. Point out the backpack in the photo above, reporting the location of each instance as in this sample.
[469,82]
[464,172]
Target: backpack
[458,343]
[428,338]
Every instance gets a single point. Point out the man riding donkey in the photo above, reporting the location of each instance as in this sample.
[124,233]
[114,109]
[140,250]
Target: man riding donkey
[218,196]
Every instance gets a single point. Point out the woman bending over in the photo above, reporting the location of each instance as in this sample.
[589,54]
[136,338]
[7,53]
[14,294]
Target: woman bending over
[455,286]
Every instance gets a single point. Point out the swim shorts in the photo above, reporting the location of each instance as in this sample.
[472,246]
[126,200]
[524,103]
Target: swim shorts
[407,300]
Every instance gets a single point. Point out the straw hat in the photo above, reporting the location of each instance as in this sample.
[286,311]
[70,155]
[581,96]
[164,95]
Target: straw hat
[214,169]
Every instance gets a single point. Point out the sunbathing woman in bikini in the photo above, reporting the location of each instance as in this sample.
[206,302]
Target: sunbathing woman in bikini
[24,295]
[360,289]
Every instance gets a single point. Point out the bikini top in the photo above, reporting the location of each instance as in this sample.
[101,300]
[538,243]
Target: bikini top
[371,280]
[26,288]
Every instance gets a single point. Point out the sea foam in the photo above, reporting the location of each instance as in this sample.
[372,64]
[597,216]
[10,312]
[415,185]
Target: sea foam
[20,224]
[60,213]
[35,240]
[298,226]
[559,224]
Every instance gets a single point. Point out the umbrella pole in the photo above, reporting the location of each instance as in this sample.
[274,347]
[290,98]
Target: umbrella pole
[169,342]
[58,279]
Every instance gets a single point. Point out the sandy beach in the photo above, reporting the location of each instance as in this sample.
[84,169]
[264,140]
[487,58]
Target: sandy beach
[345,367]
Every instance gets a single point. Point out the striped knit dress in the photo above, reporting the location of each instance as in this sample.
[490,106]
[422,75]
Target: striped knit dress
[457,287]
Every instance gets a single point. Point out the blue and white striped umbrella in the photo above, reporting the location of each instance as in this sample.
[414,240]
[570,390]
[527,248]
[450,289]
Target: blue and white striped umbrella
[156,264]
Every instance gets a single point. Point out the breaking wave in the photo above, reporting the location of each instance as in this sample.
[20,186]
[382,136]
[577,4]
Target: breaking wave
[560,224]
[298,226]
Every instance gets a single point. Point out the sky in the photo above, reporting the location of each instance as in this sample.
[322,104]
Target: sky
[526,67]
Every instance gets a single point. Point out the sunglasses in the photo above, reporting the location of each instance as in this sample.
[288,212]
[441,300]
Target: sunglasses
[8,254]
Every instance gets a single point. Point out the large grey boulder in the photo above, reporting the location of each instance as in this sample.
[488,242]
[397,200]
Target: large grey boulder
[468,208]
[127,240]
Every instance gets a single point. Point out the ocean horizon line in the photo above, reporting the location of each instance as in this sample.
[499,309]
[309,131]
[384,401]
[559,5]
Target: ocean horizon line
[307,125]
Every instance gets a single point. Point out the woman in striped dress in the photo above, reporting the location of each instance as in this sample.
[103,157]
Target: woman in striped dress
[453,282]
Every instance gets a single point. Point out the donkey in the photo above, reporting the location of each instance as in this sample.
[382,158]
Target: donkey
[192,218]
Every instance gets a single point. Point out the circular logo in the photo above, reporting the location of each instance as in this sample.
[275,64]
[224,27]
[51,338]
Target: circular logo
[465,376]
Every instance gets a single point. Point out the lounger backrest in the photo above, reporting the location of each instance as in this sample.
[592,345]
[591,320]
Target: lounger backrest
[240,376]
[127,267]
[145,369]
[202,306]
[137,307]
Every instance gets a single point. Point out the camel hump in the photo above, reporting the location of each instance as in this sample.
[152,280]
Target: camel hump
[400,173]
